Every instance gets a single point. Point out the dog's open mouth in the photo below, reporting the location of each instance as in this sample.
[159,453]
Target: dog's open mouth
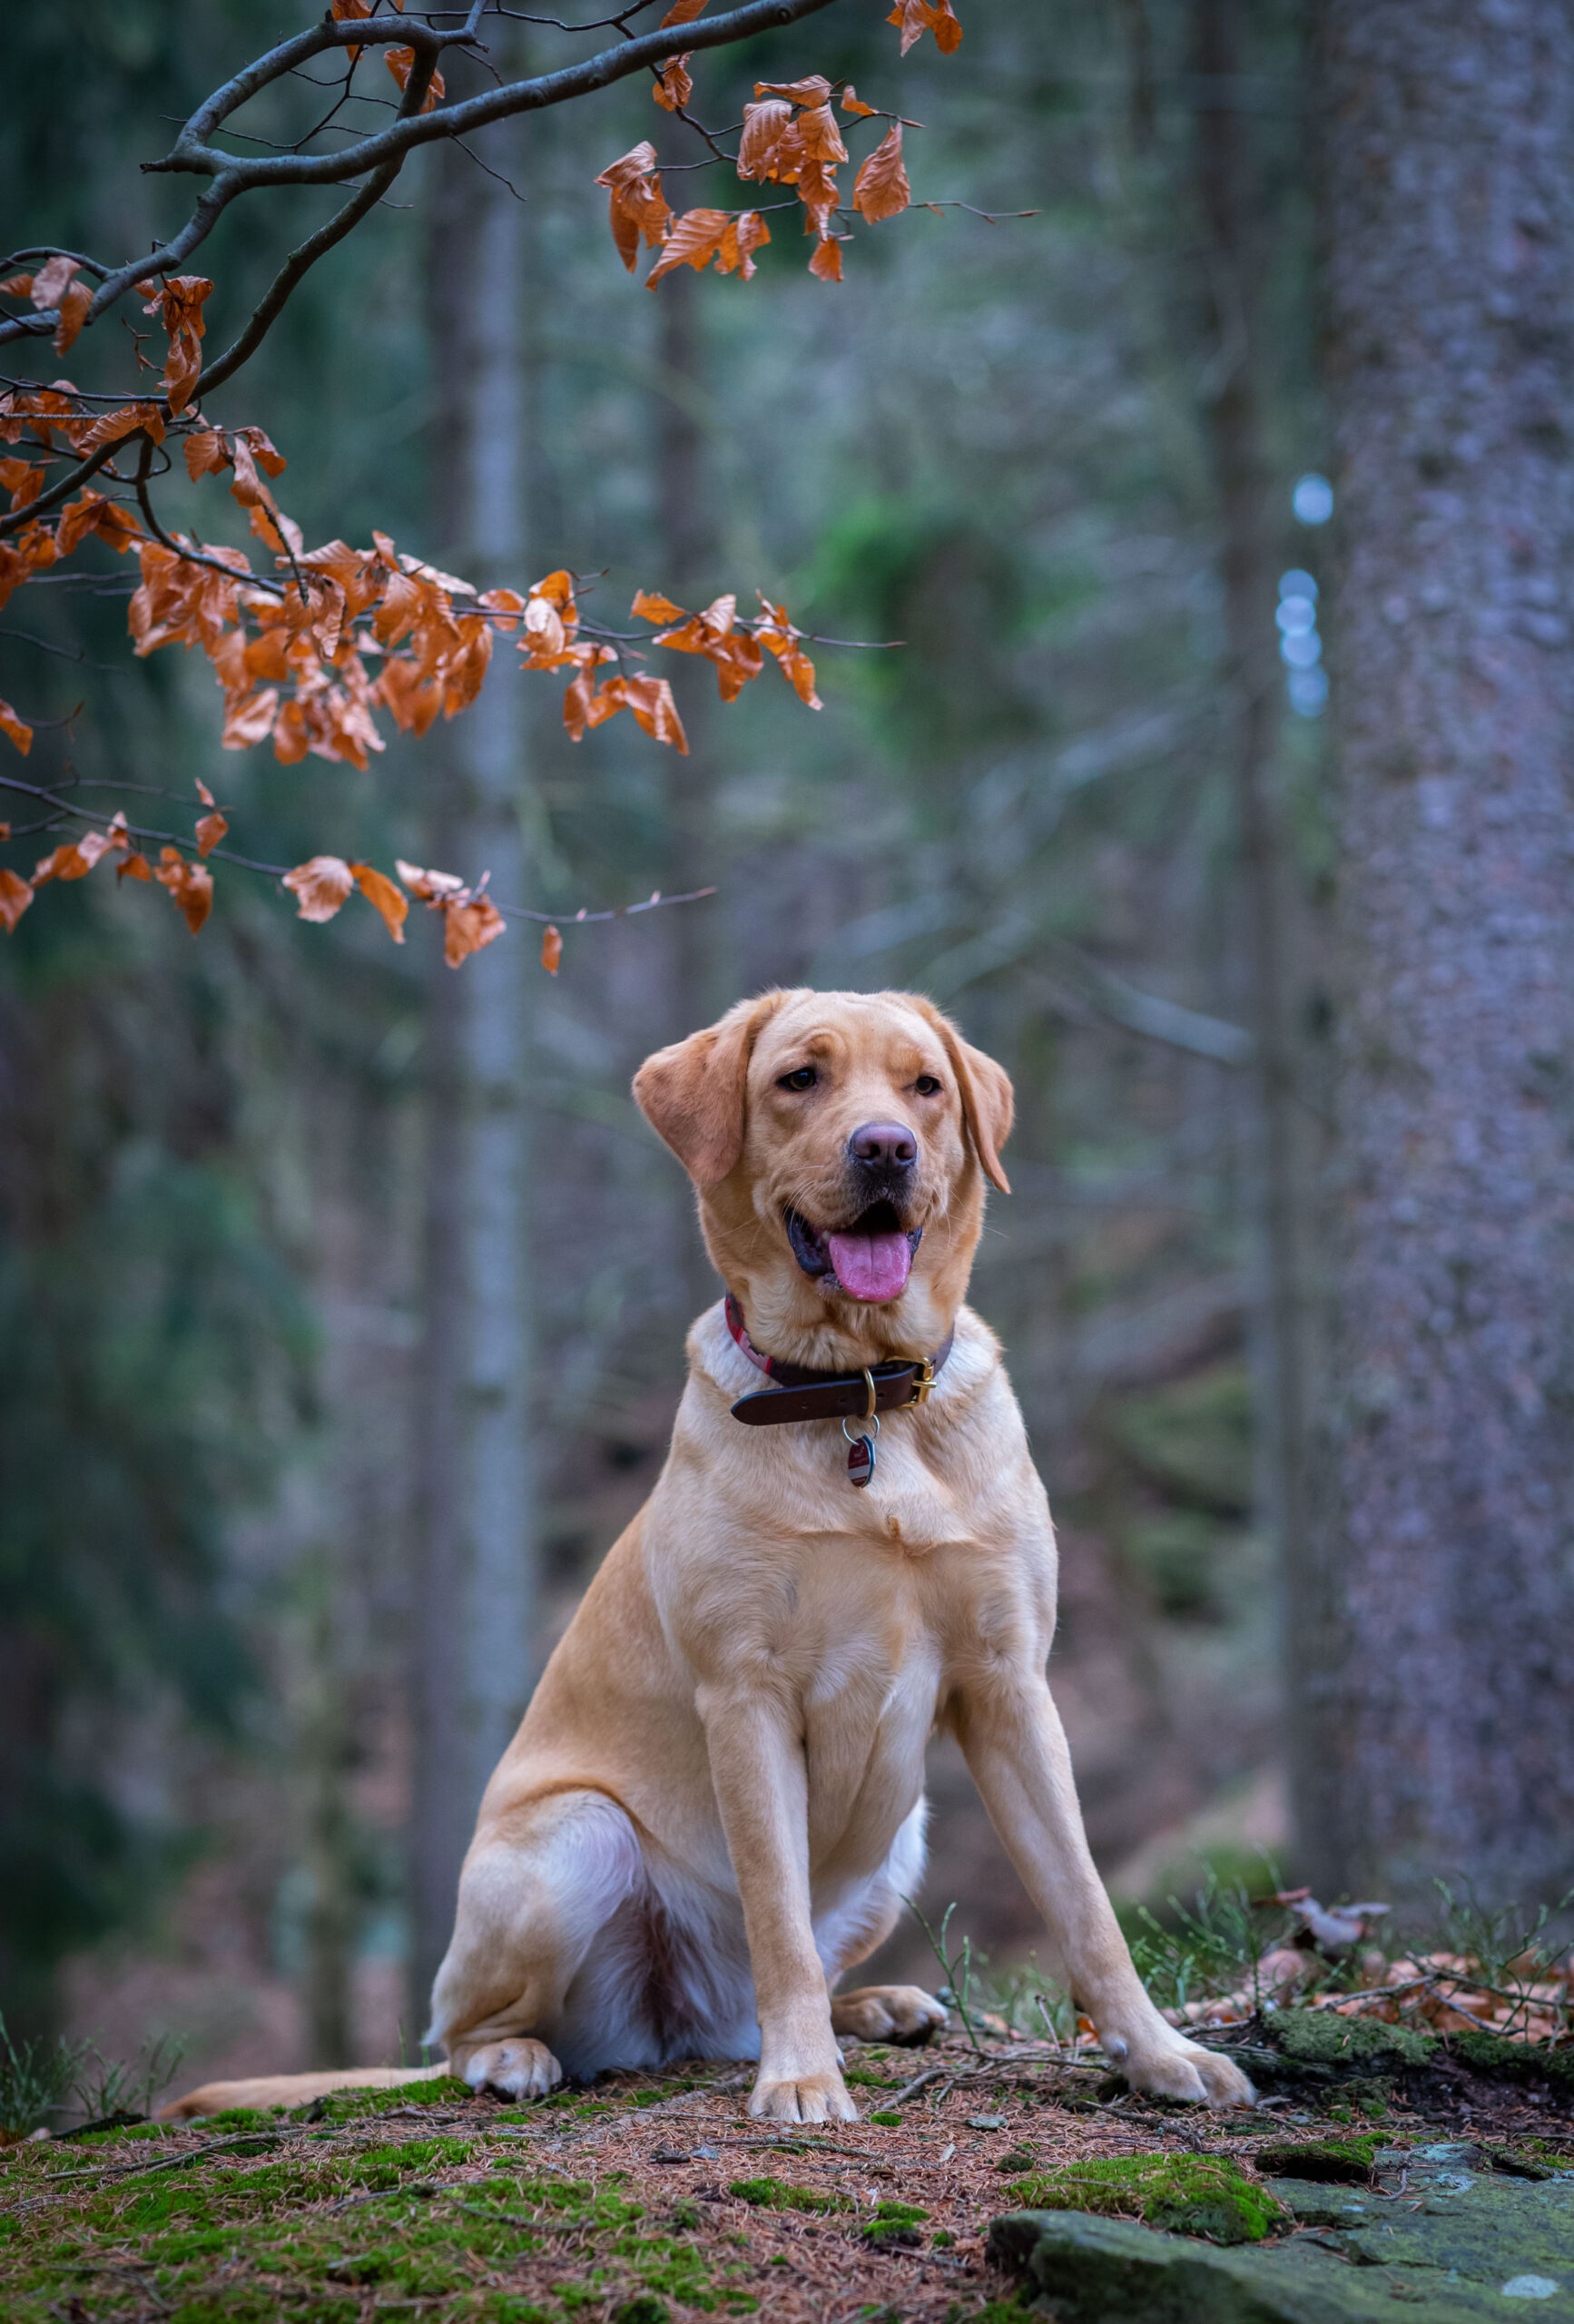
[872,1259]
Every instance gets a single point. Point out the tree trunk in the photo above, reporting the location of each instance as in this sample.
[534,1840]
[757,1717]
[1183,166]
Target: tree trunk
[475,1581]
[1225,200]
[689,559]
[1436,1697]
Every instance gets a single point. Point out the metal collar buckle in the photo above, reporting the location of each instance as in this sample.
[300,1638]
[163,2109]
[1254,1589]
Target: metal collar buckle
[923,1379]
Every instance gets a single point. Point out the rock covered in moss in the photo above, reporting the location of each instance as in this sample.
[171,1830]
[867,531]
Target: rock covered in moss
[1189,2194]
[1320,2037]
[1329,2161]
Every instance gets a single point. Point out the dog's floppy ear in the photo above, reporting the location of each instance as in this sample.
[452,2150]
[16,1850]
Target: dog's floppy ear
[693,1093]
[988,1103]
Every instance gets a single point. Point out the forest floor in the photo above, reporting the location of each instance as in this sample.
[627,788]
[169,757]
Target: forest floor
[651,2196]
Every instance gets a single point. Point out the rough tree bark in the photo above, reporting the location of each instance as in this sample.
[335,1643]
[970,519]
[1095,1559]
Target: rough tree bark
[1438,1690]
[475,1568]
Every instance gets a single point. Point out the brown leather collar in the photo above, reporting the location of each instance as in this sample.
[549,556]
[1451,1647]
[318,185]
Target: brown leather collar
[806,1394]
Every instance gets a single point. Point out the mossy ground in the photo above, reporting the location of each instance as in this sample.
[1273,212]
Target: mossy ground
[655,2197]
[1186,2194]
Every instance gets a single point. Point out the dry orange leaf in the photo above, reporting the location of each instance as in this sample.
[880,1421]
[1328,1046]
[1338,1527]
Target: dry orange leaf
[401,63]
[673,91]
[49,285]
[63,862]
[379,890]
[203,793]
[211,829]
[24,480]
[655,608]
[701,235]
[815,91]
[321,886]
[854,104]
[93,514]
[636,205]
[74,302]
[650,699]
[436,887]
[263,449]
[881,189]
[15,895]
[179,305]
[19,731]
[916,18]
[135,867]
[206,453]
[123,422]
[826,262]
[468,926]
[191,885]
[97,846]
[779,637]
[551,950]
[681,12]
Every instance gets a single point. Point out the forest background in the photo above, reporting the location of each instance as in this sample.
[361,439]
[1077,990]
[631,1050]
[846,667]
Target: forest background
[307,1400]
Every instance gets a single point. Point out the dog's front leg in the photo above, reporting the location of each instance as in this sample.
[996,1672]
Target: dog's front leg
[762,1787]
[1014,1744]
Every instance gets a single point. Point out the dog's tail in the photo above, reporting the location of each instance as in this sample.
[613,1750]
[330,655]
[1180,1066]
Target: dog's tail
[290,2089]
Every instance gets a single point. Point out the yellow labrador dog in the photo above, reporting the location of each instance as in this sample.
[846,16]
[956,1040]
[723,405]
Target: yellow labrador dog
[713,1806]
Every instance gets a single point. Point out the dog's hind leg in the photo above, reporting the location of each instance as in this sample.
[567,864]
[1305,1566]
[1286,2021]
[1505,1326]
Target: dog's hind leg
[901,2014]
[542,1880]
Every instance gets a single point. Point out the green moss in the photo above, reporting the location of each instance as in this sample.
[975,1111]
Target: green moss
[895,2222]
[1331,2160]
[1492,2054]
[1187,2194]
[349,2105]
[861,2078]
[890,2120]
[1320,2037]
[778,2195]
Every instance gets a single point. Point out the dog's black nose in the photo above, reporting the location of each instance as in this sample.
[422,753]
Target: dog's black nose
[885,1146]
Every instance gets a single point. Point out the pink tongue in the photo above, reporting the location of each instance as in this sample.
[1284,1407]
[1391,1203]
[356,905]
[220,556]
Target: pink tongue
[871,1266]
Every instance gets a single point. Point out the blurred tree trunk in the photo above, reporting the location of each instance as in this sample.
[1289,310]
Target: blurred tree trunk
[1227,202]
[327,1755]
[476,1560]
[689,561]
[1437,1689]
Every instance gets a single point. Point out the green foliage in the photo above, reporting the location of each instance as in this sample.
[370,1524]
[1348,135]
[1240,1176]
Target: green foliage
[1201,2195]
[35,2078]
[1211,1946]
[962,1969]
[1511,1946]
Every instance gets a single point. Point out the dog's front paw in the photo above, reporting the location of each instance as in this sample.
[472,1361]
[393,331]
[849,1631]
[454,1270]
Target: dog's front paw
[1180,2069]
[900,2013]
[521,2067]
[803,2098]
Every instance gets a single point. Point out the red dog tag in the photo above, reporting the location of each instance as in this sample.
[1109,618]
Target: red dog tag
[861,1461]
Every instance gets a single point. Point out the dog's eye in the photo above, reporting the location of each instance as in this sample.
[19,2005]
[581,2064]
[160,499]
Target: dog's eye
[926,1085]
[803,1078]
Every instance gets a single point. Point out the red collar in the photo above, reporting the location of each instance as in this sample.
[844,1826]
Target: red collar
[803,1393]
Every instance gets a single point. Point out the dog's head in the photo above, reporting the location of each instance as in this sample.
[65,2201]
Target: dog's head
[839,1142]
